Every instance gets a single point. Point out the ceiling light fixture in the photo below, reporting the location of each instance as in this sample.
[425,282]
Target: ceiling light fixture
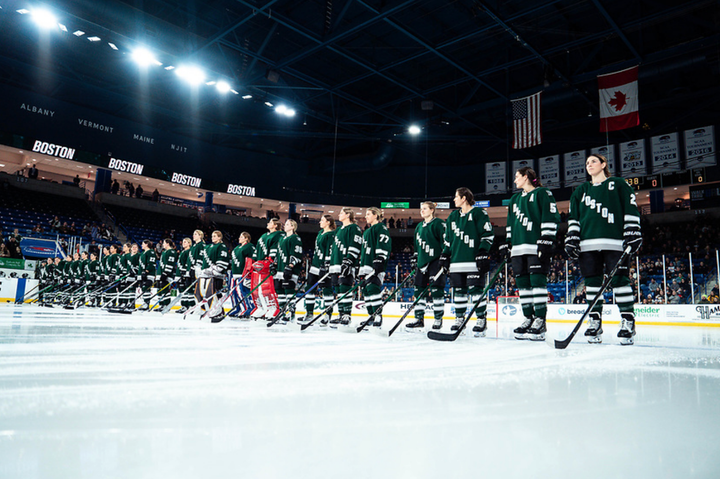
[191,74]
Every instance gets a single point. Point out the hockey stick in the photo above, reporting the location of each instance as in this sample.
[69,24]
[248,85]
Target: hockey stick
[148,308]
[178,298]
[296,299]
[27,293]
[438,336]
[31,300]
[241,299]
[422,294]
[304,326]
[380,308]
[565,342]
[129,309]
[100,291]
[117,295]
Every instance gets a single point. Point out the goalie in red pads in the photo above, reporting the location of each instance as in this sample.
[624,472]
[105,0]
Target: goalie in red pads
[264,265]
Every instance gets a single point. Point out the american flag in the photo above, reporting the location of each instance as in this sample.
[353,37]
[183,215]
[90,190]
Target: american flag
[526,121]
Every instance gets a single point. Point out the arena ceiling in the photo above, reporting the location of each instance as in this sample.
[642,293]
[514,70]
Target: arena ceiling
[359,72]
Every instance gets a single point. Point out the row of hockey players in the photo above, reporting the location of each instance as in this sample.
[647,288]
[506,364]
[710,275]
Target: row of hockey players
[603,222]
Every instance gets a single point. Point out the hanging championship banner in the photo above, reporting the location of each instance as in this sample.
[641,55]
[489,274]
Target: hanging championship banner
[574,163]
[495,179]
[517,164]
[608,151]
[700,147]
[632,158]
[665,153]
[550,171]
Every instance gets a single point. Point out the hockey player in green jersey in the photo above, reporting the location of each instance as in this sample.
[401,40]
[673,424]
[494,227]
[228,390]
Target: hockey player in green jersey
[289,260]
[147,269]
[216,261]
[604,221]
[264,265]
[374,257]
[241,265]
[343,258]
[166,270]
[319,268]
[183,275]
[125,270]
[532,224]
[468,238]
[429,237]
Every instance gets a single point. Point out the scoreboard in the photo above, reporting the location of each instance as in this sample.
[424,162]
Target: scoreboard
[663,180]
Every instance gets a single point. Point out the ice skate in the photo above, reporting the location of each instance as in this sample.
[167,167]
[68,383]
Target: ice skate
[627,329]
[480,328]
[594,330]
[521,331]
[415,326]
[437,325]
[218,317]
[345,320]
[537,331]
[182,310]
[458,323]
[324,320]
[377,322]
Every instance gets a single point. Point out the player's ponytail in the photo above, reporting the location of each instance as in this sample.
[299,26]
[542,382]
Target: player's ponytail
[463,192]
[331,221]
[531,176]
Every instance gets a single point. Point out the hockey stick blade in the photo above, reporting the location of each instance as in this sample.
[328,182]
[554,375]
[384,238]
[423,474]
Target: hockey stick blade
[438,336]
[565,342]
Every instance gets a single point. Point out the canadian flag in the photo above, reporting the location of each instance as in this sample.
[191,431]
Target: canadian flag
[619,100]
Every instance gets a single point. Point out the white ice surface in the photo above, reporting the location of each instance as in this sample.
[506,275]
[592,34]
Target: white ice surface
[94,395]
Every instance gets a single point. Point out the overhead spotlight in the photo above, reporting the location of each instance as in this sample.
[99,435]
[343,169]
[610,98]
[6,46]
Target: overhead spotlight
[144,57]
[290,112]
[269,104]
[78,33]
[113,46]
[281,109]
[223,86]
[191,74]
[44,19]
[169,67]
[93,39]
[62,27]
[414,130]
[247,97]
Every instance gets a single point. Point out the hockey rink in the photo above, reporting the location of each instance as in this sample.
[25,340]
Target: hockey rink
[86,394]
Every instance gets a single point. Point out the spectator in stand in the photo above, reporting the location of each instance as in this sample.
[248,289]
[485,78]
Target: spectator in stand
[38,229]
[409,221]
[653,286]
[33,173]
[86,229]
[156,195]
[73,229]
[581,297]
[4,251]
[704,300]
[391,223]
[76,180]
[94,234]
[13,247]
[130,189]
[139,191]
[54,224]
[115,188]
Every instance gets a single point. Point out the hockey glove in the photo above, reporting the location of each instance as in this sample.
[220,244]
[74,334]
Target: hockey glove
[378,266]
[482,261]
[247,282]
[287,272]
[324,269]
[544,249]
[632,238]
[273,268]
[444,261]
[346,267]
[413,261]
[504,250]
[572,245]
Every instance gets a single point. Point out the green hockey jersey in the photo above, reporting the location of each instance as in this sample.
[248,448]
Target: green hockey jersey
[531,215]
[376,245]
[183,264]
[195,257]
[601,213]
[290,252]
[466,235]
[321,254]
[429,239]
[347,243]
[166,264]
[267,245]
[146,265]
[238,257]
[216,259]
